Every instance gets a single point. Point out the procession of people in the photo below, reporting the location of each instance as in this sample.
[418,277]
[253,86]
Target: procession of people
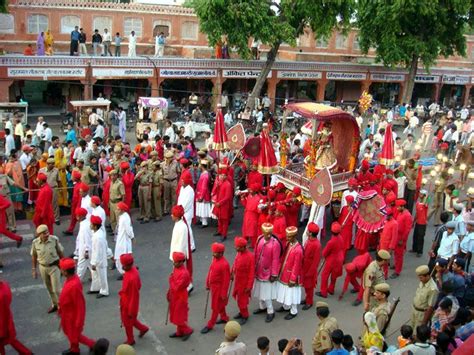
[284,254]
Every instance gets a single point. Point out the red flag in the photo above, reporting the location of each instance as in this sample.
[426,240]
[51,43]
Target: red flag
[220,136]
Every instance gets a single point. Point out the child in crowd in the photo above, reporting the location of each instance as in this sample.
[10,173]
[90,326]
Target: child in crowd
[406,336]
[263,345]
[282,345]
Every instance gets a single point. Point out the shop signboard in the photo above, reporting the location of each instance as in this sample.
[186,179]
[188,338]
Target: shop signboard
[244,74]
[345,76]
[188,73]
[46,72]
[302,75]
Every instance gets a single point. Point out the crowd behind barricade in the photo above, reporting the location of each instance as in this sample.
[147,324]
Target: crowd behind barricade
[102,178]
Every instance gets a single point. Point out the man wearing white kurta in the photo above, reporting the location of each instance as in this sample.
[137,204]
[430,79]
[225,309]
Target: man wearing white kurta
[86,203]
[132,45]
[180,238]
[83,243]
[99,258]
[125,235]
[186,199]
[97,210]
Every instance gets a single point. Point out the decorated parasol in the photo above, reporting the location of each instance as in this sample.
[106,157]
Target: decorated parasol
[387,156]
[267,162]
[220,136]
[369,213]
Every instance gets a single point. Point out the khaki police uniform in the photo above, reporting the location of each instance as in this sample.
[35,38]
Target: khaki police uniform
[145,179]
[5,182]
[53,179]
[425,297]
[382,312]
[48,254]
[170,183]
[86,174]
[117,194]
[322,339]
[373,275]
[156,192]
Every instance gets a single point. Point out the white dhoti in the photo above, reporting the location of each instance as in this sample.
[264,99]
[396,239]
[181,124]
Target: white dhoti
[289,297]
[203,211]
[99,280]
[82,265]
[265,292]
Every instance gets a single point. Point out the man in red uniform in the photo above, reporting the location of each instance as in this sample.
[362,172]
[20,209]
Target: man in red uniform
[311,259]
[4,204]
[130,299]
[72,308]
[177,296]
[390,182]
[279,224]
[421,220]
[399,244]
[185,174]
[128,178]
[334,258]
[217,283]
[364,176]
[44,213]
[293,207]
[345,220]
[389,233]
[243,271]
[355,270]
[76,201]
[7,326]
[250,202]
[254,176]
[290,278]
[106,193]
[223,204]
[280,190]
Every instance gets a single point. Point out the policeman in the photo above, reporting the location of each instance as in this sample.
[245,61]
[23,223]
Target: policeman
[374,275]
[322,342]
[383,307]
[170,169]
[156,192]
[46,252]
[117,194]
[425,297]
[145,179]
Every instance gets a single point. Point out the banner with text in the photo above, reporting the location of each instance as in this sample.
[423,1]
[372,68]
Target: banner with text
[455,79]
[235,74]
[345,76]
[131,73]
[427,79]
[387,77]
[286,74]
[46,72]
[188,73]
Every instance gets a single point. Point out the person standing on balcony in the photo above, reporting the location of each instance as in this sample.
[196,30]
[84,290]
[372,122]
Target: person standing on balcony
[40,44]
[82,42]
[107,42]
[118,43]
[132,45]
[75,36]
[96,41]
[160,41]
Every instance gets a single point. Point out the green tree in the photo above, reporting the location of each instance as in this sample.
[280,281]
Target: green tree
[3,6]
[271,22]
[406,32]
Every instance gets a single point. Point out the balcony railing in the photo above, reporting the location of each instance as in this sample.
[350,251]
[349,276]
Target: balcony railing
[104,5]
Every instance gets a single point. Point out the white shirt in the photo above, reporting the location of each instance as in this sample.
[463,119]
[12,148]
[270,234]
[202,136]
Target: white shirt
[464,113]
[107,37]
[186,199]
[39,129]
[170,133]
[125,234]
[9,144]
[189,129]
[99,249]
[132,41]
[93,118]
[47,134]
[414,121]
[266,102]
[389,116]
[83,239]
[467,243]
[259,116]
[24,160]
[401,182]
[449,245]
[99,132]
[99,212]
[86,204]
[228,118]
[179,239]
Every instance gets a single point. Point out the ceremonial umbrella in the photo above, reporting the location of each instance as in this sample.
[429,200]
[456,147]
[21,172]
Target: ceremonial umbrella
[267,162]
[387,156]
[220,135]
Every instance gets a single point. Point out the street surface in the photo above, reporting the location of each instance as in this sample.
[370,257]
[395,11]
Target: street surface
[39,330]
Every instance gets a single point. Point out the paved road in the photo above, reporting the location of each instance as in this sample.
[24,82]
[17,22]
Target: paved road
[40,330]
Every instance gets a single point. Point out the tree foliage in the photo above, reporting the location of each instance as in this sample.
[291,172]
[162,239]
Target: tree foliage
[405,31]
[3,6]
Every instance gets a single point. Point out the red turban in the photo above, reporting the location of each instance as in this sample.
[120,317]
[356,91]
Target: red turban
[67,264]
[84,187]
[281,208]
[177,211]
[280,186]
[400,202]
[109,169]
[96,220]
[178,256]
[41,177]
[379,169]
[126,259]
[391,197]
[389,172]
[255,187]
[186,179]
[365,165]
[240,242]
[122,206]
[352,182]
[95,200]
[297,190]
[183,161]
[124,165]
[217,247]
[76,175]
[349,199]
[81,212]
[223,171]
[313,228]
[271,194]
[336,228]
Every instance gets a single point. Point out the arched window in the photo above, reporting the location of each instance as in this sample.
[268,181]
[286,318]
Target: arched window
[69,22]
[162,26]
[133,24]
[37,23]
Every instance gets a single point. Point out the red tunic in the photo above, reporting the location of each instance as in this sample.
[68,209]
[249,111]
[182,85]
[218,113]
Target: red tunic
[243,271]
[218,279]
[311,259]
[388,234]
[224,199]
[361,262]
[130,296]
[202,188]
[106,196]
[177,295]
[345,219]
[334,254]
[185,174]
[76,199]
[44,213]
[405,222]
[279,229]
[293,211]
[254,177]
[392,183]
[251,214]
[292,266]
[7,326]
[72,308]
[363,179]
[128,179]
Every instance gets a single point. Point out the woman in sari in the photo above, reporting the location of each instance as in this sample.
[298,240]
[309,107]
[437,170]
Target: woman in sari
[31,173]
[13,169]
[48,43]
[372,336]
[60,163]
[40,44]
